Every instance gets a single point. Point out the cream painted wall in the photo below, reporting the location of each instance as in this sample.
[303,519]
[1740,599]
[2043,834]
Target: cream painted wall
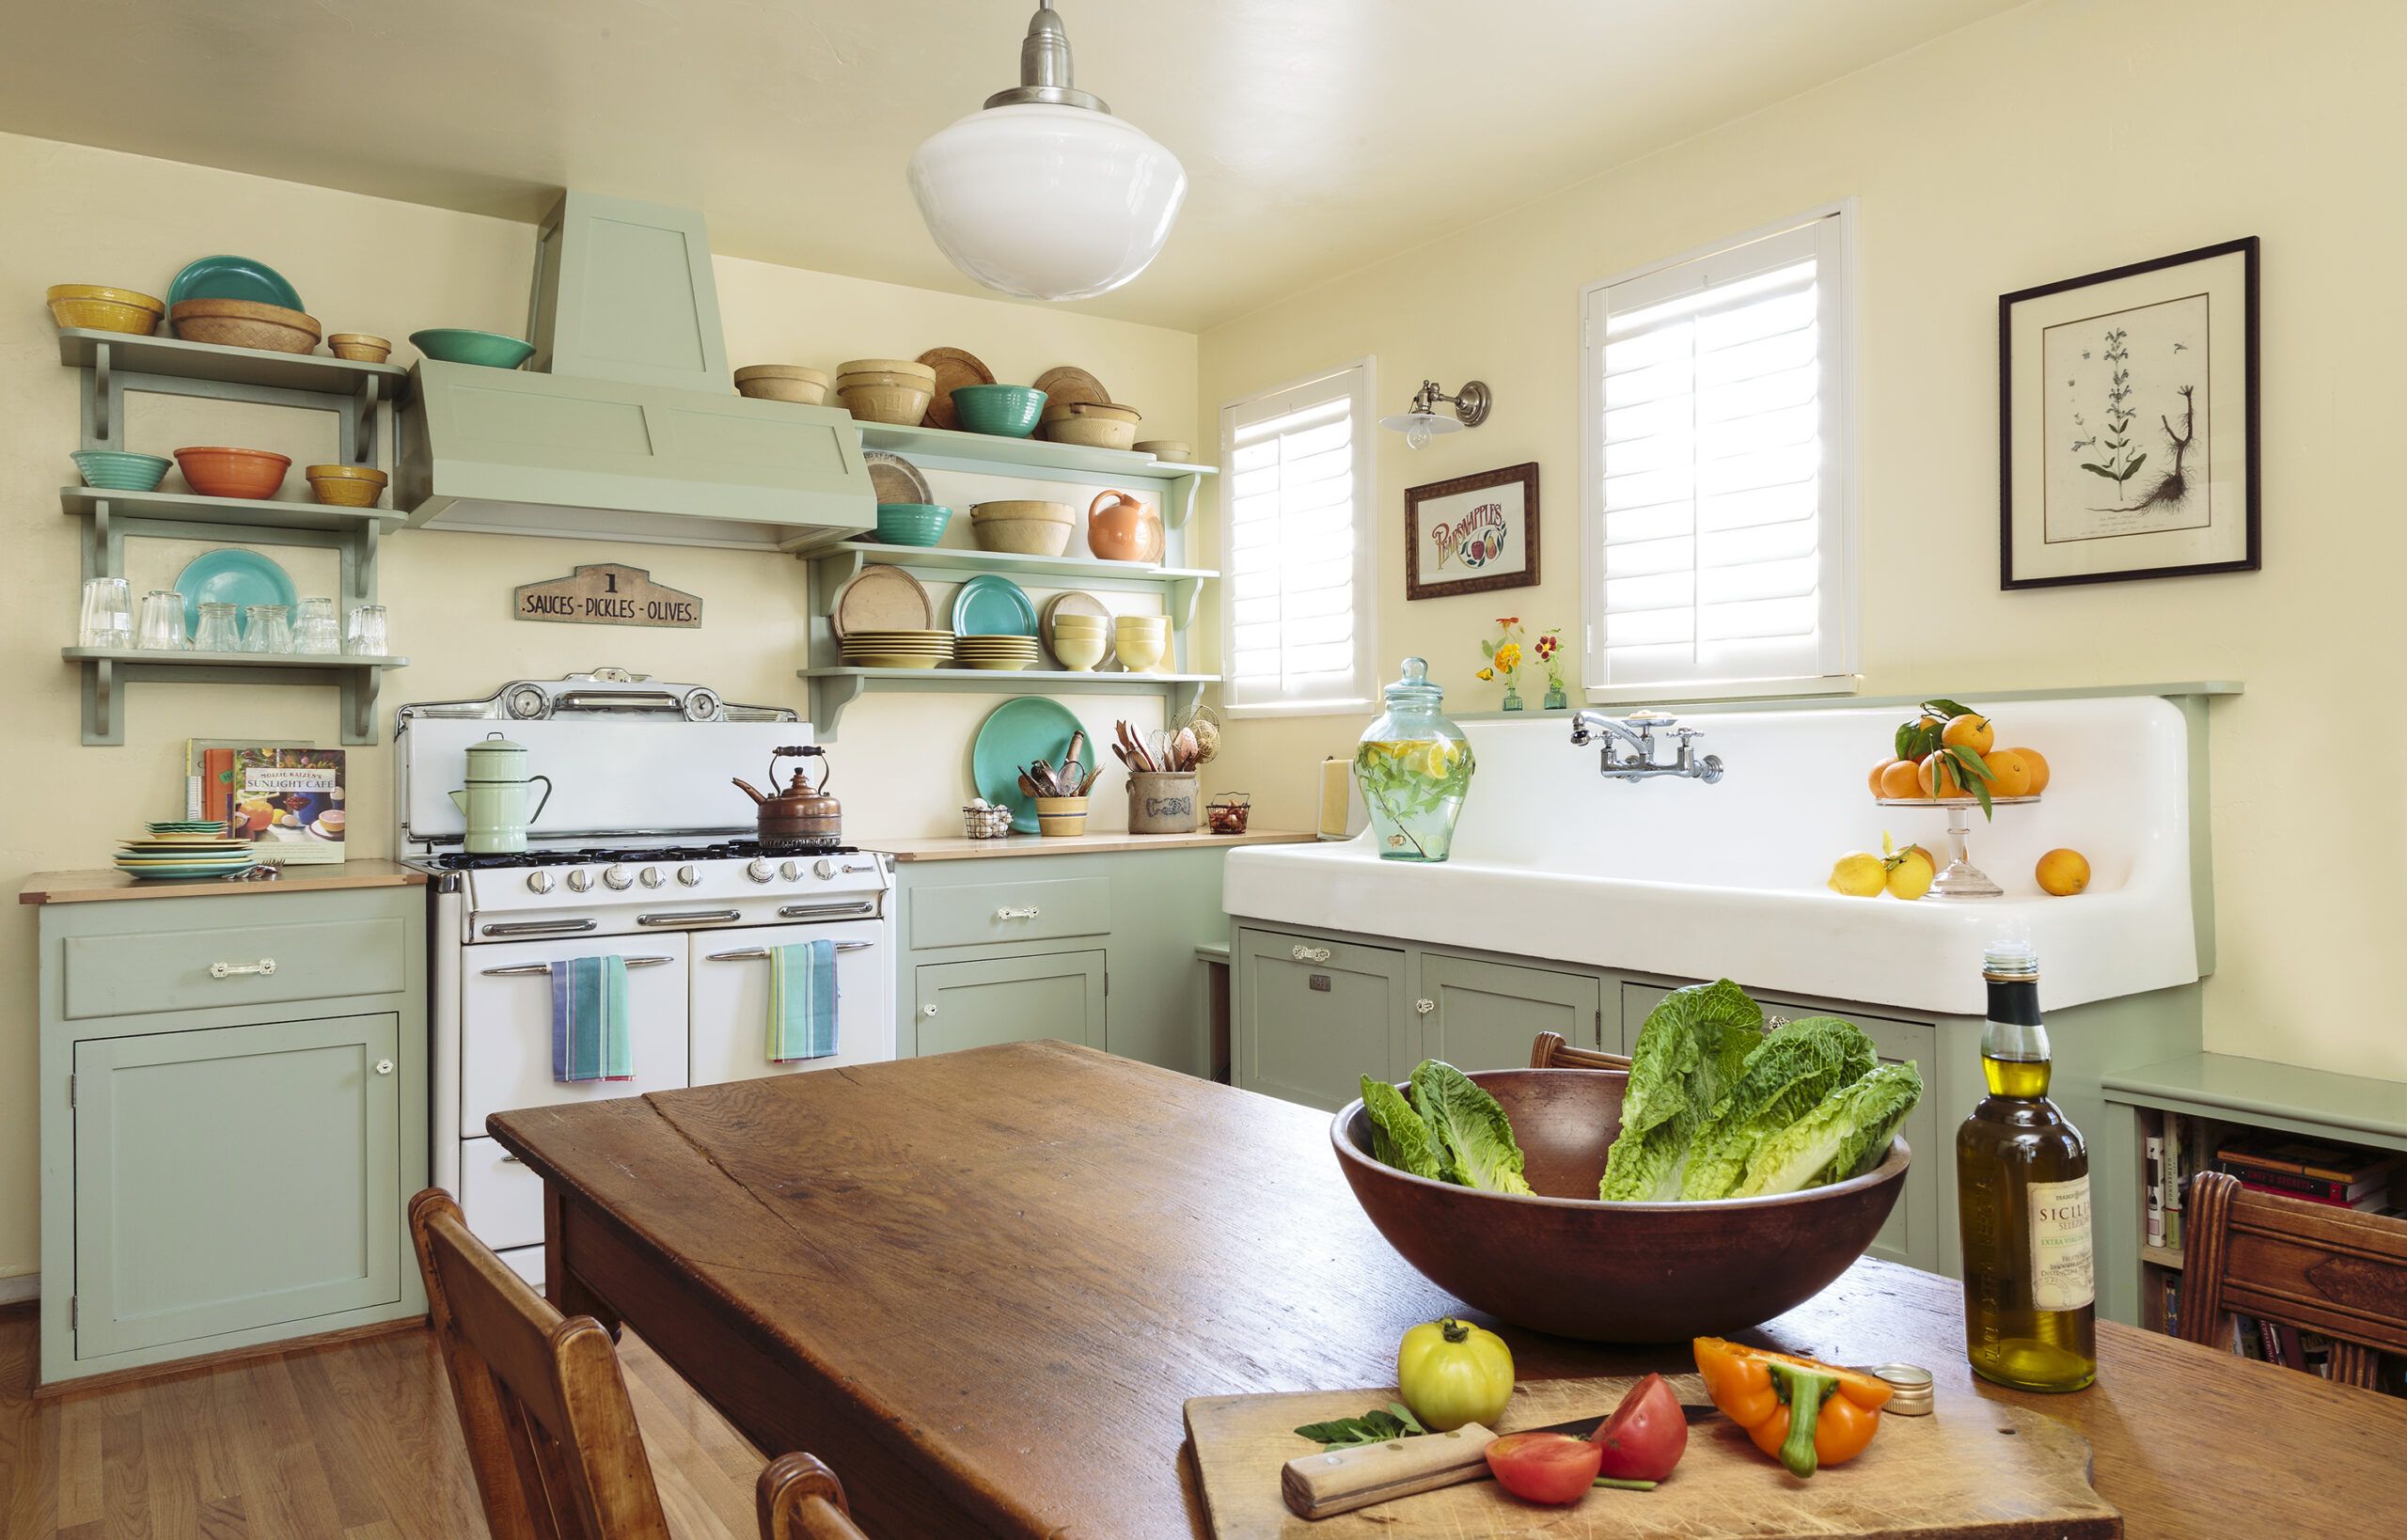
[2054,141]
[70,214]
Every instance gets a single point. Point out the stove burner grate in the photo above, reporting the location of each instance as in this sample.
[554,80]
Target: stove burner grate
[728,850]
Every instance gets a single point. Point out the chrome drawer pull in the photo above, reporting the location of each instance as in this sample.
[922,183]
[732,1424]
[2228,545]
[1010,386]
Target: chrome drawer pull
[827,911]
[522,969]
[761,954]
[263,967]
[693,916]
[1029,913]
[540,927]
[1309,955]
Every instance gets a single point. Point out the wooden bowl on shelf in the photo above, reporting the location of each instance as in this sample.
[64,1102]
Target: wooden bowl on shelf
[359,347]
[242,323]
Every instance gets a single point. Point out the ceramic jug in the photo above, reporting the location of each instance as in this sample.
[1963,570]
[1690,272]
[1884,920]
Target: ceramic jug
[1122,529]
[494,799]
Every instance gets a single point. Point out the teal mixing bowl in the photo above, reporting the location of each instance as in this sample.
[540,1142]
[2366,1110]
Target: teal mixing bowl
[122,470]
[912,524]
[460,345]
[1006,411]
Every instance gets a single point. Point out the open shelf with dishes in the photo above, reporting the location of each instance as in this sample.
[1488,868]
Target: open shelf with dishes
[947,449]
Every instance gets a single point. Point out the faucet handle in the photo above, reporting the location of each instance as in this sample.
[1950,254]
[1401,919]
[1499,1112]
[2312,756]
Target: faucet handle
[1685,735]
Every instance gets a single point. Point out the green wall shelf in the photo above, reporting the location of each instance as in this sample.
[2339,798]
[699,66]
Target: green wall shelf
[225,513]
[108,669]
[835,687]
[949,450]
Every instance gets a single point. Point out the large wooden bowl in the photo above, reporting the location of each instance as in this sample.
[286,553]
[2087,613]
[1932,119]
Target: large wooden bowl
[1564,1262]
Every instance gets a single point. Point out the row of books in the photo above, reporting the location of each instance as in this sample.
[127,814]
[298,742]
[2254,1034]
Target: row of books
[2309,1170]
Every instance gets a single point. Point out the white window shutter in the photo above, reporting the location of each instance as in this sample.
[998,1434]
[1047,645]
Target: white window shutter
[1719,537]
[1296,546]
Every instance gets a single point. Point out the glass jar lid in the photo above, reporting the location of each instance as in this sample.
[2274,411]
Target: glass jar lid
[1414,689]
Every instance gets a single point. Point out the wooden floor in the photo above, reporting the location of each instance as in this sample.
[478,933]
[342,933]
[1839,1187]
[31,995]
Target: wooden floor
[353,1442]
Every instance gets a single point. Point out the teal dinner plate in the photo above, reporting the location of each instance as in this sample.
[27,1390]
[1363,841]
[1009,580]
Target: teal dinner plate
[466,345]
[232,279]
[991,604]
[233,577]
[1014,735]
[153,873]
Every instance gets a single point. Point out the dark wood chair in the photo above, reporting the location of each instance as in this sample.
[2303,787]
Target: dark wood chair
[2311,1266]
[1551,1052]
[550,1433]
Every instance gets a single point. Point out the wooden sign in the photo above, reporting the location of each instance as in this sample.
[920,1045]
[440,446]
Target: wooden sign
[608,594]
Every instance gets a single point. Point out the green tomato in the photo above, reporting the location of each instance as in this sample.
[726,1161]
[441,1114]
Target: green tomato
[1453,1373]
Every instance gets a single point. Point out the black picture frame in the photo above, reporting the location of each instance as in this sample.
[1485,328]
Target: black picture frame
[2253,560]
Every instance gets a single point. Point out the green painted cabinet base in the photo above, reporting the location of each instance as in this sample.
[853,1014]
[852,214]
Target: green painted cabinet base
[1009,999]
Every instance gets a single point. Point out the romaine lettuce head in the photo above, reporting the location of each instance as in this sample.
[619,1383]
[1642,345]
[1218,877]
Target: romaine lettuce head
[1844,1136]
[1689,1052]
[1784,1078]
[1474,1137]
[1399,1138]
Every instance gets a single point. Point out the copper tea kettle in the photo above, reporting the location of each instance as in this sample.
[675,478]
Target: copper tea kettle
[797,813]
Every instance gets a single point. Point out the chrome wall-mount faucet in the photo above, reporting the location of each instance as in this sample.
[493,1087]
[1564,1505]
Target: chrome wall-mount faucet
[1637,732]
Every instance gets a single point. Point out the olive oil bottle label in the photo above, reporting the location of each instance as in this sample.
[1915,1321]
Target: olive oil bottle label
[2062,1277]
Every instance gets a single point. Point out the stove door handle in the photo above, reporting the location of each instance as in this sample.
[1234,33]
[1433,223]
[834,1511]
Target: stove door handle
[827,911]
[540,927]
[520,970]
[693,916]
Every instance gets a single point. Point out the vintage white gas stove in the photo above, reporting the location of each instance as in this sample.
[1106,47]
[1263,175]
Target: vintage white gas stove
[644,850]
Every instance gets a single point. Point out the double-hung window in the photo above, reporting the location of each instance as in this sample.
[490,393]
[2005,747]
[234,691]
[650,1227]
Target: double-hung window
[1296,546]
[1719,539]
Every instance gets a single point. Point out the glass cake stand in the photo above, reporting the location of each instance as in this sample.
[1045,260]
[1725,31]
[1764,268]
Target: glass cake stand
[1960,878]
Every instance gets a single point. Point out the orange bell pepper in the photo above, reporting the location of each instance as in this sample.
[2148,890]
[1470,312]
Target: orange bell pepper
[1806,1414]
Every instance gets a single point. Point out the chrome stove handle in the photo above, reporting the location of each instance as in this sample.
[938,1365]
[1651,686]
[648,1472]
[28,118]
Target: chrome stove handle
[692,917]
[540,927]
[827,911]
[522,969]
[756,954]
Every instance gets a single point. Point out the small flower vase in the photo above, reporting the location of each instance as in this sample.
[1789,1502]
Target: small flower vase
[1512,697]
[1556,699]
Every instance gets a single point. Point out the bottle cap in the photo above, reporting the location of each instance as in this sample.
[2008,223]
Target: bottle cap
[1912,1383]
[2009,957]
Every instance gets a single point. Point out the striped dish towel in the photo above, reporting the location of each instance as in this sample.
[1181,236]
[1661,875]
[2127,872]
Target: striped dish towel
[802,1001]
[590,1020]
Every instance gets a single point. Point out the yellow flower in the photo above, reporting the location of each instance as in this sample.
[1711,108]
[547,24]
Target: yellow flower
[1508,658]
[1488,673]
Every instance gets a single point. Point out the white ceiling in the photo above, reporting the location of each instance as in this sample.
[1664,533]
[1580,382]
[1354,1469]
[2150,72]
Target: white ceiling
[1318,135]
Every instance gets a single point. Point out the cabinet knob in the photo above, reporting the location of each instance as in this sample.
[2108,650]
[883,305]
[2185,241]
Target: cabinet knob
[1309,955]
[928,1010]
[263,967]
[383,1066]
[1425,1007]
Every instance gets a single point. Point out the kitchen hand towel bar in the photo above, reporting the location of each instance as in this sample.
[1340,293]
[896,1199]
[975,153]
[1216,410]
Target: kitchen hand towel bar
[517,969]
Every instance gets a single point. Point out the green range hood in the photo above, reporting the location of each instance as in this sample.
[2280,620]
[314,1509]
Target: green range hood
[625,425]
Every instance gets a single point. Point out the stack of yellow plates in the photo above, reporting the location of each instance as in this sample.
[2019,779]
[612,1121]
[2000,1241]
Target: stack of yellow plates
[184,848]
[897,649]
[998,652]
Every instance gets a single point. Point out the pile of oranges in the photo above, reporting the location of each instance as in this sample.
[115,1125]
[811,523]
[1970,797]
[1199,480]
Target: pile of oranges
[1949,751]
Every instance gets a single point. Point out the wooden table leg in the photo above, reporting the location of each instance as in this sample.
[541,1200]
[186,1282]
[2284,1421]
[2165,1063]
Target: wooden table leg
[569,1294]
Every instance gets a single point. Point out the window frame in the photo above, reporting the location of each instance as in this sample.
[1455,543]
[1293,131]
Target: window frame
[1839,516]
[1364,426]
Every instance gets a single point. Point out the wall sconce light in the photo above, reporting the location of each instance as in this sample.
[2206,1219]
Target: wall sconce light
[1470,409]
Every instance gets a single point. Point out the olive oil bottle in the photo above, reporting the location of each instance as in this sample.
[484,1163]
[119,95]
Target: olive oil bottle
[2023,1202]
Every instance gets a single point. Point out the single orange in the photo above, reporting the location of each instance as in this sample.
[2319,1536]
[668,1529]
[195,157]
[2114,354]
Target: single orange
[1901,779]
[2039,770]
[1878,771]
[2063,873]
[1968,732]
[1929,724]
[2010,773]
[1942,769]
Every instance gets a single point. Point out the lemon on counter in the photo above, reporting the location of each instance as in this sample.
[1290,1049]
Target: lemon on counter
[1858,874]
[1911,874]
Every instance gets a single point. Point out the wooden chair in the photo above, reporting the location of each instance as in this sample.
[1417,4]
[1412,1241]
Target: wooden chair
[1551,1052]
[2307,1265]
[550,1433]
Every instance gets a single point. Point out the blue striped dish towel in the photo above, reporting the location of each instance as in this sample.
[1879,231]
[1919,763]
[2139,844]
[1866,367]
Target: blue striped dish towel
[802,1001]
[590,1020]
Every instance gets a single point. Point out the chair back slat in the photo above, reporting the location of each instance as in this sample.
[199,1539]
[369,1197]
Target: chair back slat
[1550,1051]
[2310,1267]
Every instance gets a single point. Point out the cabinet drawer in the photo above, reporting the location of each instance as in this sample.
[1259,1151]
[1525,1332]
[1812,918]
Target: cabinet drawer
[170,971]
[502,1198]
[976,914]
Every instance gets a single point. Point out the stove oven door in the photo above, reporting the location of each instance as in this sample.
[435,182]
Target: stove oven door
[730,997]
[506,1023]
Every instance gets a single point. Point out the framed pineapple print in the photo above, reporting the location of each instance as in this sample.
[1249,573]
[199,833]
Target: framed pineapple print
[2127,432]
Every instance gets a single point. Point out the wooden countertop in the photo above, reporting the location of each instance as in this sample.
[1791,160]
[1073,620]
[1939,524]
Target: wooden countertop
[961,848]
[108,883]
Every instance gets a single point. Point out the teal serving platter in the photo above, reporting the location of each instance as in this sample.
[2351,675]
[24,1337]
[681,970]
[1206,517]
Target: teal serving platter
[1016,734]
[231,576]
[232,279]
[991,604]
[462,345]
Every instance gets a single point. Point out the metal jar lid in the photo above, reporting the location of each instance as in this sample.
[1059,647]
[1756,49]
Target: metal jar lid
[1912,1383]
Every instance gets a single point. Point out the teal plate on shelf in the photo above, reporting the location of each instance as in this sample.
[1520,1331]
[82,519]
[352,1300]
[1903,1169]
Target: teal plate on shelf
[153,873]
[991,604]
[232,279]
[1016,734]
[231,576]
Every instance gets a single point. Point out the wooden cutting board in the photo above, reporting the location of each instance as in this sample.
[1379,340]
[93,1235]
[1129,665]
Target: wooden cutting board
[1974,1470]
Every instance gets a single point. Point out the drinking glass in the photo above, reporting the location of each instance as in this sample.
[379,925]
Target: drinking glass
[163,622]
[314,630]
[267,628]
[108,614]
[364,632]
[216,633]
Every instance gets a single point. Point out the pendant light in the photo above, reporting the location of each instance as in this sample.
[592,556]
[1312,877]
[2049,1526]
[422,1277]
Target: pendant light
[1045,194]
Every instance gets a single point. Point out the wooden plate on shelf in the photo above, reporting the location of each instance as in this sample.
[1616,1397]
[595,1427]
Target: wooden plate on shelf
[1066,384]
[881,599]
[1071,601]
[954,367]
[895,479]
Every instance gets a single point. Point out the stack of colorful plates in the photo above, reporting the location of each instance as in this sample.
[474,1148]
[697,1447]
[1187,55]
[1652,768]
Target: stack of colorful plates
[896,649]
[184,848]
[998,652]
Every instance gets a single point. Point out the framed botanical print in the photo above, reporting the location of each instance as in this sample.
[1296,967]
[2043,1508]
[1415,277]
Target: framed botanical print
[2127,430]
[1472,534]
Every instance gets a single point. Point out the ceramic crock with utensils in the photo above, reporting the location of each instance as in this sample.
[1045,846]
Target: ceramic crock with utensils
[494,799]
[798,814]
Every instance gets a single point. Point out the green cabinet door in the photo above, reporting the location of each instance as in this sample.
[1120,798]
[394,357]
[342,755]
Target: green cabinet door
[1008,999]
[1314,1016]
[234,1177]
[1484,1015]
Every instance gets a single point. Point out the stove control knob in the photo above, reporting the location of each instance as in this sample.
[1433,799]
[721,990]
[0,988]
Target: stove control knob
[538,882]
[648,876]
[618,878]
[822,868]
[689,876]
[790,872]
[760,870]
[579,880]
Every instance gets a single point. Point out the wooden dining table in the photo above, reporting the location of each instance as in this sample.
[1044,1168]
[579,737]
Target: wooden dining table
[982,1285]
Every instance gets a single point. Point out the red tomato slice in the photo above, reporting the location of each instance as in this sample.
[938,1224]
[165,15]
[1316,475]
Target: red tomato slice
[1646,1434]
[1544,1467]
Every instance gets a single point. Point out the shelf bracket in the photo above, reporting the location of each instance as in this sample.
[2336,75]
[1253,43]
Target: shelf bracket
[358,554]
[359,689]
[99,527]
[363,419]
[99,431]
[1181,601]
[1178,500]
[829,699]
[1182,697]
[103,718]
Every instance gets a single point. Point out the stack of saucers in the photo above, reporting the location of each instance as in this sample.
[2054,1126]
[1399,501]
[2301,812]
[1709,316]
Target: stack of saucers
[897,649]
[184,848]
[1003,653]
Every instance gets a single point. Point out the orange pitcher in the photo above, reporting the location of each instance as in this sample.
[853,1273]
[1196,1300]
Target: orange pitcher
[1122,529]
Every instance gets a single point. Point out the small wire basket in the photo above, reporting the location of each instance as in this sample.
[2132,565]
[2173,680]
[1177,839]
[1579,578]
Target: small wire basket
[1227,813]
[980,821]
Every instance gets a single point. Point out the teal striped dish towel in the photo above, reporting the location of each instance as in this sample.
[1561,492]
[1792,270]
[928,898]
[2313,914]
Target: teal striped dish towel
[590,1020]
[802,1001]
